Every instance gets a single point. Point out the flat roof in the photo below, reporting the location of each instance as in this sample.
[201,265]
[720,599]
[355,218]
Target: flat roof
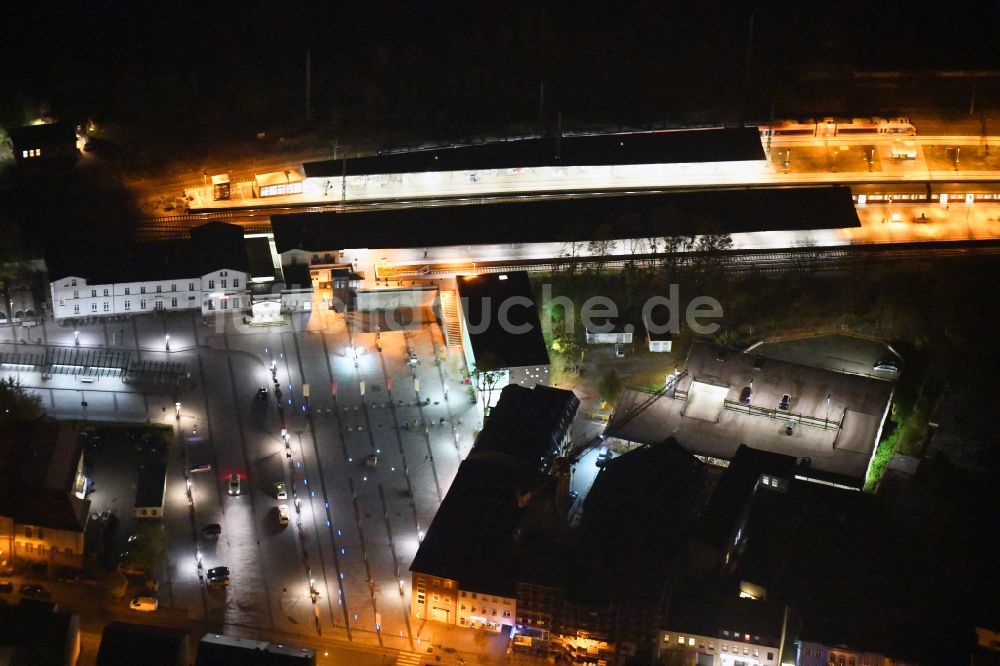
[662,147]
[279,177]
[856,409]
[259,262]
[472,536]
[150,485]
[526,422]
[502,346]
[574,219]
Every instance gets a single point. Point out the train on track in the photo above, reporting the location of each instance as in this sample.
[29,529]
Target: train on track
[827,127]
[927,192]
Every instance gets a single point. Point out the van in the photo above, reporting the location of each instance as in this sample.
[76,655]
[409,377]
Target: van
[282,514]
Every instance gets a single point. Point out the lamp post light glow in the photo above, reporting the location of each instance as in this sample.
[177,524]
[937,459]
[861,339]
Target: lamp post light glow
[166,341]
[177,410]
[76,338]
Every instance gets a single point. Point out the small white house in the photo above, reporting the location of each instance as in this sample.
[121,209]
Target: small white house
[612,331]
[659,342]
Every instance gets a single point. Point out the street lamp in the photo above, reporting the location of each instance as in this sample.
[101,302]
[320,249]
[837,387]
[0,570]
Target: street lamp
[828,395]
[76,338]
[177,410]
[166,341]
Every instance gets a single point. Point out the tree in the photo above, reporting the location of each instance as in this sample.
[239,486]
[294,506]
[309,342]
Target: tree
[17,403]
[487,373]
[610,386]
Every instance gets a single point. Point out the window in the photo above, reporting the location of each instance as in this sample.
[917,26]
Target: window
[72,282]
[76,309]
[224,303]
[746,651]
[173,287]
[463,607]
[106,292]
[756,652]
[173,302]
[93,307]
[29,533]
[107,306]
[142,303]
[447,584]
[463,593]
[142,290]
[770,655]
[462,620]
[41,533]
[127,290]
[474,595]
[211,284]
[159,288]
[725,633]
[236,282]
[158,305]
[76,294]
[725,647]
[680,640]
[506,613]
[691,641]
[29,547]
[223,282]
[93,292]
[128,305]
[223,273]
[711,646]
[190,286]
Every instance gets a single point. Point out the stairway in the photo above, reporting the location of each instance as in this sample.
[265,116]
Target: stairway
[450,314]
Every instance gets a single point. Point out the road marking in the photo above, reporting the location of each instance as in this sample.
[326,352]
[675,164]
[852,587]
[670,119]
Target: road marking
[408,659]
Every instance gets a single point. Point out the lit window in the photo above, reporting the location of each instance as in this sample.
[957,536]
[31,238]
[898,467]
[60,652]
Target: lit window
[756,652]
[680,640]
[725,647]
[691,641]
[666,638]
[24,153]
[711,646]
[746,651]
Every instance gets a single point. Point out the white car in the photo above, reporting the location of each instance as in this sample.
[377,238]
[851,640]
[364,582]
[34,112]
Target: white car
[282,514]
[145,604]
[280,492]
[234,484]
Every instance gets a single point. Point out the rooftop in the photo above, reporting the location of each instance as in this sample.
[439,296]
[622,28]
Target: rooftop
[574,219]
[472,536]
[665,147]
[150,484]
[499,345]
[526,422]
[47,133]
[159,646]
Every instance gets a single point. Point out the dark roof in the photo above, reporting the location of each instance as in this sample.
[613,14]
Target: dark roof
[35,135]
[40,452]
[735,487]
[216,649]
[219,245]
[259,261]
[667,147]
[37,635]
[212,247]
[641,503]
[527,422]
[57,509]
[576,219]
[500,346]
[472,536]
[297,275]
[150,485]
[159,646]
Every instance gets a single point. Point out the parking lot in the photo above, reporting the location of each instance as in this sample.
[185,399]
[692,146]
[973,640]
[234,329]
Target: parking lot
[339,568]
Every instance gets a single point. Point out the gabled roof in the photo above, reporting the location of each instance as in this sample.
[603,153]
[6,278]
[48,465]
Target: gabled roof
[40,135]
[42,453]
[498,345]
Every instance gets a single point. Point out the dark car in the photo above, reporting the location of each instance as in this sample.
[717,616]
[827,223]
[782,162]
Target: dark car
[745,395]
[213,529]
[6,586]
[218,572]
[34,591]
[785,401]
[261,394]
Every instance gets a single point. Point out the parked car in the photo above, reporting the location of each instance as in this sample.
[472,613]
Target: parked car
[786,400]
[218,572]
[887,366]
[212,529]
[145,604]
[6,586]
[619,350]
[234,484]
[261,394]
[280,492]
[282,514]
[34,591]
[603,457]
[200,467]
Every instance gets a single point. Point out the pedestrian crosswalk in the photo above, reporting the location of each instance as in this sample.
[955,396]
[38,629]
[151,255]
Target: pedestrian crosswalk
[408,659]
